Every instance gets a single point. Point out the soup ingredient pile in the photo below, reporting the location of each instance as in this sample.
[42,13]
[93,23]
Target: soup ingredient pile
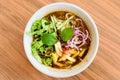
[60,40]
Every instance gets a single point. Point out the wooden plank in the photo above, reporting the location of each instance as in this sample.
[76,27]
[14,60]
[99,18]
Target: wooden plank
[14,15]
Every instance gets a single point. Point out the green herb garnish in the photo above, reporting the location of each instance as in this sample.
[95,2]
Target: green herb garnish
[49,39]
[38,58]
[67,34]
[48,61]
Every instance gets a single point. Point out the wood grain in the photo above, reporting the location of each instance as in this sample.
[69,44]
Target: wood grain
[14,15]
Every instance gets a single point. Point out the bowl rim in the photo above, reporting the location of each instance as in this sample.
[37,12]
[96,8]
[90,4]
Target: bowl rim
[95,51]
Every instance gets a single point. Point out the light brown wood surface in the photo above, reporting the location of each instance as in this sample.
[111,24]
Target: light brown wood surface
[14,15]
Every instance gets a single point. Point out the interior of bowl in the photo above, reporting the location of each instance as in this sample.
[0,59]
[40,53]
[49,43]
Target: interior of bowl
[62,7]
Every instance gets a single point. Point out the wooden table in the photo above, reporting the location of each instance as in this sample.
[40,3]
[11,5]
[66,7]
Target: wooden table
[14,15]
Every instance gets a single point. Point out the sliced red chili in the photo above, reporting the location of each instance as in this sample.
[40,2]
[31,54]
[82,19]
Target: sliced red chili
[48,52]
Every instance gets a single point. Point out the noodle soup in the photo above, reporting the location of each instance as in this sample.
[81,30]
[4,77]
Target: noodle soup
[61,39]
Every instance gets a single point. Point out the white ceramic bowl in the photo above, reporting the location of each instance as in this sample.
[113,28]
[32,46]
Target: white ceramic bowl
[62,6]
